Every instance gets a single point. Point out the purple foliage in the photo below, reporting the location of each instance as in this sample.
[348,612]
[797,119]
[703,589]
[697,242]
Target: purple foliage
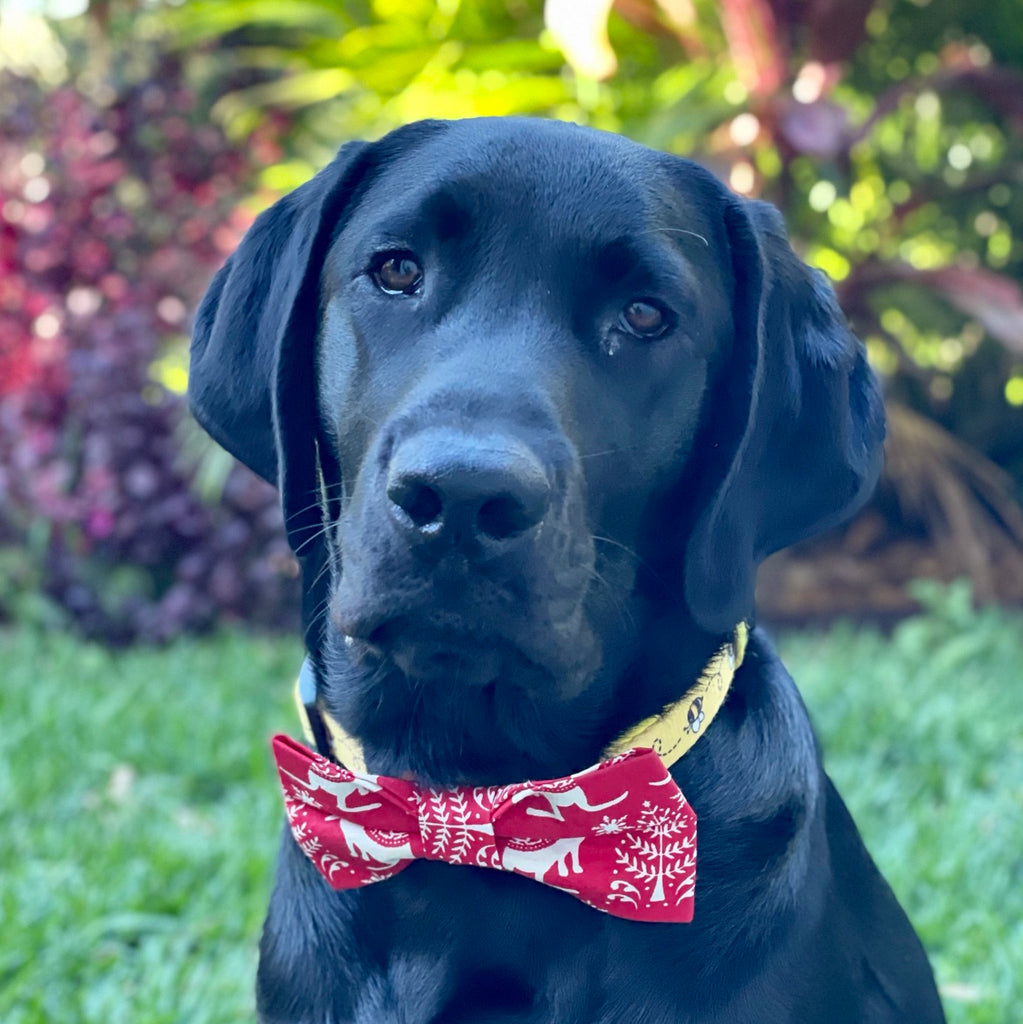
[112,219]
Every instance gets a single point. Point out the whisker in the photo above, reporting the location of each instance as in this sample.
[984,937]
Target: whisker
[321,607]
[620,450]
[315,503]
[321,532]
[632,554]
[628,619]
[302,511]
[677,231]
[620,545]
[323,572]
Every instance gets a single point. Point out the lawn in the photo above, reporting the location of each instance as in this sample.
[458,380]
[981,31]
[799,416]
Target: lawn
[140,812]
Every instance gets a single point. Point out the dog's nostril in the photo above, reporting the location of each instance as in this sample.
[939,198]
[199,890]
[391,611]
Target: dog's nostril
[503,517]
[426,507]
[420,502]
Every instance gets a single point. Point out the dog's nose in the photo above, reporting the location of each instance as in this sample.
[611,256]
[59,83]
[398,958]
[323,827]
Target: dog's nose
[445,486]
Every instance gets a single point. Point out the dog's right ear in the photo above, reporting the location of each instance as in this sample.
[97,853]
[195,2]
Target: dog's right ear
[252,380]
[260,307]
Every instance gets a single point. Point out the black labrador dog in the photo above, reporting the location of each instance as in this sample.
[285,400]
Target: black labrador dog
[538,400]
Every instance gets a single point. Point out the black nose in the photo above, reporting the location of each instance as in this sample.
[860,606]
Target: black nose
[446,486]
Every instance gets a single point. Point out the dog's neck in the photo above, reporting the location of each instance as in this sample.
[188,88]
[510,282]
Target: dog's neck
[671,730]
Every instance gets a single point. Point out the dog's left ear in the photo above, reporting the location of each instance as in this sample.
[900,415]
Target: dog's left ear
[804,446]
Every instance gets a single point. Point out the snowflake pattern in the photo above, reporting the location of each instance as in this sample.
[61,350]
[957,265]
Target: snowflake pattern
[455,826]
[610,826]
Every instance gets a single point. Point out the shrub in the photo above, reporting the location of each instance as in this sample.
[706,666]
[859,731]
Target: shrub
[115,209]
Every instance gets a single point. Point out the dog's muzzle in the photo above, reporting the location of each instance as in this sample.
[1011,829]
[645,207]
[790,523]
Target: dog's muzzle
[466,557]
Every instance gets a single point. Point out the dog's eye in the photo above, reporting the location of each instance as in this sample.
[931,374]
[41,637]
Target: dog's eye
[644,319]
[397,273]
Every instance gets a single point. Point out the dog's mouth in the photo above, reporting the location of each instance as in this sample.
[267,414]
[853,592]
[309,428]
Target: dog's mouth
[471,645]
[430,654]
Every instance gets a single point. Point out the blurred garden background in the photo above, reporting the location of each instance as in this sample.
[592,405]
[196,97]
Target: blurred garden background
[148,597]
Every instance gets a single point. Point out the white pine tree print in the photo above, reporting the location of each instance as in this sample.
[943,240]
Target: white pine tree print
[652,854]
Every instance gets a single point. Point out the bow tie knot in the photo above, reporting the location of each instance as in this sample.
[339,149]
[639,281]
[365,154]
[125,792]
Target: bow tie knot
[620,836]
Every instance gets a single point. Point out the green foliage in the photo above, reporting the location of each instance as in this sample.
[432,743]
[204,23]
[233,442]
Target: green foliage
[141,811]
[22,595]
[889,135]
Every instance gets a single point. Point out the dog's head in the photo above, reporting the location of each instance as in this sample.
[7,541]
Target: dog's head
[525,387]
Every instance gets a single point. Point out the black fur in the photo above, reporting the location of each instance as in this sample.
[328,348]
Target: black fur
[534,526]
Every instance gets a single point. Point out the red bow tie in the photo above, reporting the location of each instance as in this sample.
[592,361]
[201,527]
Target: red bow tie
[619,836]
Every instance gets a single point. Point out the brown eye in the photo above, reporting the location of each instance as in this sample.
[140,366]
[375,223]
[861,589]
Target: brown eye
[398,273]
[644,319]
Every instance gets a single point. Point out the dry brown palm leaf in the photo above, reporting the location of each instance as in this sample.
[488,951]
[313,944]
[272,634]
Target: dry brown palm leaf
[962,501]
[942,512]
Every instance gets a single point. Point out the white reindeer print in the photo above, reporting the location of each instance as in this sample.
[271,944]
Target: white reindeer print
[386,848]
[571,796]
[340,789]
[537,860]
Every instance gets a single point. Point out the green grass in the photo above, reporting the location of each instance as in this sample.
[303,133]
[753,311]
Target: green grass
[139,812]
[139,821]
[922,731]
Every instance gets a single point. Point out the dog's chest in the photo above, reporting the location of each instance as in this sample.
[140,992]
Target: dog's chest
[473,945]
